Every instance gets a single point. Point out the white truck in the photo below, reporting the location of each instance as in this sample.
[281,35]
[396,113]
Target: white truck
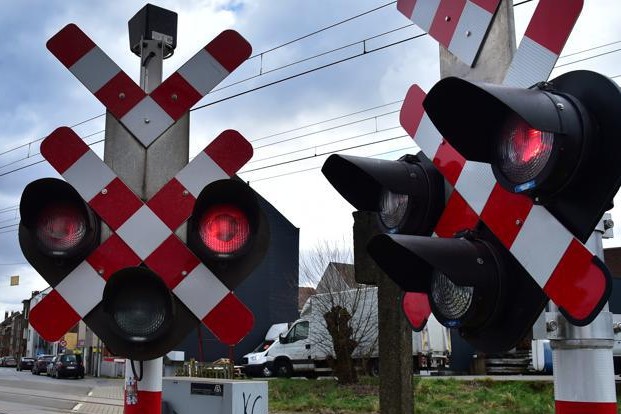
[306,347]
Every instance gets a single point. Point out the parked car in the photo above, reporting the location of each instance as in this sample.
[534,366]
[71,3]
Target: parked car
[8,361]
[25,363]
[66,365]
[40,364]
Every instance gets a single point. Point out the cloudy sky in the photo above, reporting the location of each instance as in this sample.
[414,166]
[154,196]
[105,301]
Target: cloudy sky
[296,99]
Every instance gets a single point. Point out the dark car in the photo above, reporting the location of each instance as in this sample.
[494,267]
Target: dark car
[8,361]
[66,365]
[40,364]
[25,363]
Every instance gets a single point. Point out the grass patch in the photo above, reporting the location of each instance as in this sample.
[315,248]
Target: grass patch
[483,396]
[431,396]
[323,396]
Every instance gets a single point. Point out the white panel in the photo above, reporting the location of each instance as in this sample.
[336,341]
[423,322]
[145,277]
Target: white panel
[532,63]
[89,175]
[427,137]
[94,69]
[82,288]
[475,184]
[571,385]
[203,72]
[147,121]
[200,172]
[469,33]
[540,244]
[424,12]
[201,291]
[144,232]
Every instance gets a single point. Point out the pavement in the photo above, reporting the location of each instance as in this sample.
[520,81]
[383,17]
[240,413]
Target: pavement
[105,398]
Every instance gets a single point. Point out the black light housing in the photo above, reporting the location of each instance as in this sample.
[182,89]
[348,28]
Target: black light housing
[139,318]
[574,121]
[58,230]
[475,268]
[153,23]
[366,182]
[228,230]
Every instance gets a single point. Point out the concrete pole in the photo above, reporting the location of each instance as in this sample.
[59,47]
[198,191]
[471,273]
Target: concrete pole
[394,331]
[495,55]
[145,171]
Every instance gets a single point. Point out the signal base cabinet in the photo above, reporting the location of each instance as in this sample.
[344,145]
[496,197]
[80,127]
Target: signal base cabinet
[185,395]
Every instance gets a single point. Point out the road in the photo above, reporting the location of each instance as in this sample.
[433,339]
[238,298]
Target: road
[22,392]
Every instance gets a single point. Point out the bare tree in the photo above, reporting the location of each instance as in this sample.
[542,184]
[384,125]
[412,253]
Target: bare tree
[348,309]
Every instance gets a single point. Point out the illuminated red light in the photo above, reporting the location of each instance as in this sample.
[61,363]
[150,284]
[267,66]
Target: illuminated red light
[60,227]
[224,229]
[529,144]
[523,151]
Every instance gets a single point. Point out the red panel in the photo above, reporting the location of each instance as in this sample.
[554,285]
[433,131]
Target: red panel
[53,317]
[120,94]
[446,19]
[580,407]
[230,49]
[412,110]
[577,284]
[505,212]
[406,7]
[230,321]
[489,5]
[111,256]
[147,402]
[117,205]
[551,25]
[62,148]
[170,259]
[230,150]
[416,309]
[70,44]
[176,96]
[172,195]
[449,162]
[457,216]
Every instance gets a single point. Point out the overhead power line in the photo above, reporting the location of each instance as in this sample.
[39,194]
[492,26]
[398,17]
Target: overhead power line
[287,43]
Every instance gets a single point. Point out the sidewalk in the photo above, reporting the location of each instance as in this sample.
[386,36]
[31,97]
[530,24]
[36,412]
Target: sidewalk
[103,399]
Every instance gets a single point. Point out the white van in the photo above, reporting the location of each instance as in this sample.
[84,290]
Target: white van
[254,364]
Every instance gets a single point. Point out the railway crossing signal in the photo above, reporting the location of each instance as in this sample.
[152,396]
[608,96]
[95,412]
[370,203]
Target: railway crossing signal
[142,289]
[408,197]
[553,151]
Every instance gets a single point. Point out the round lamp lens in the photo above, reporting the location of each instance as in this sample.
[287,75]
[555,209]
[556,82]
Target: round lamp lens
[224,229]
[393,208]
[523,151]
[450,300]
[140,316]
[60,227]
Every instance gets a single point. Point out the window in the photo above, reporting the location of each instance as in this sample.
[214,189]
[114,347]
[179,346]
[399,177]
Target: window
[299,332]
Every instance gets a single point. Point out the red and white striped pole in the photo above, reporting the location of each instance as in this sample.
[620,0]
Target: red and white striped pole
[582,358]
[143,395]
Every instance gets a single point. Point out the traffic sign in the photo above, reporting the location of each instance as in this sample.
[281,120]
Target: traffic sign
[458,25]
[143,232]
[147,116]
